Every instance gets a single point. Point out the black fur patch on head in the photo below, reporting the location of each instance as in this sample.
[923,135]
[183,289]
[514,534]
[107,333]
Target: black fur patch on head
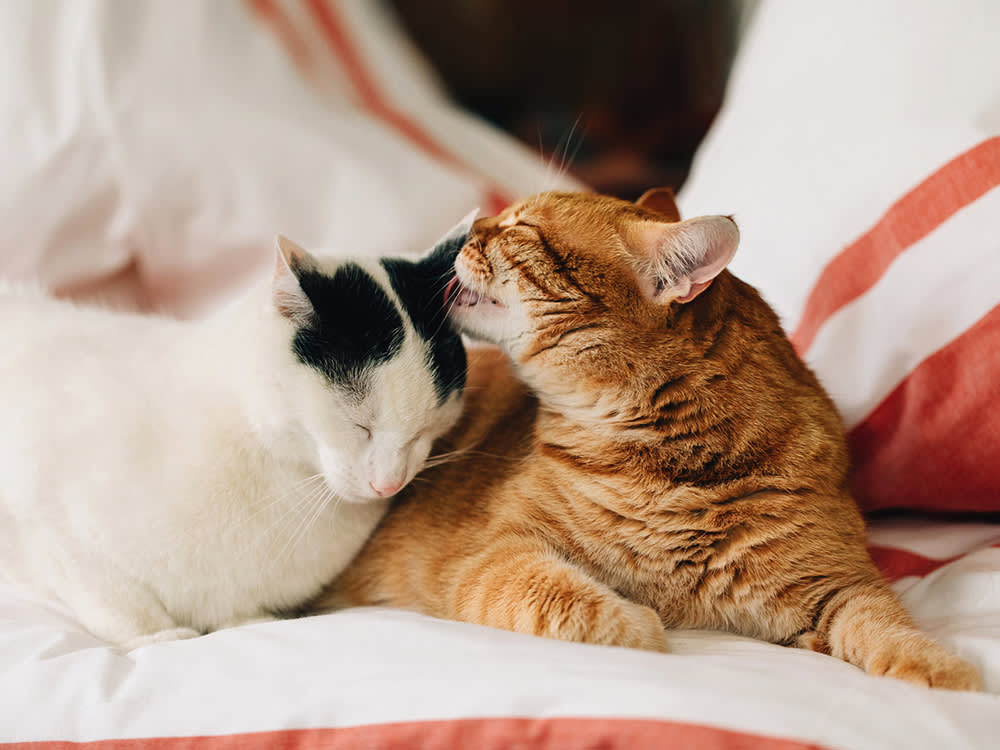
[355,327]
[420,286]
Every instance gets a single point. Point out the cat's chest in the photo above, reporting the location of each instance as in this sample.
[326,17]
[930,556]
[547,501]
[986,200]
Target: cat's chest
[268,556]
[669,553]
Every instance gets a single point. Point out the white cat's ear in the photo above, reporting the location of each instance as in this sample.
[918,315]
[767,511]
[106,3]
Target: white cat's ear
[679,260]
[461,230]
[286,292]
[447,248]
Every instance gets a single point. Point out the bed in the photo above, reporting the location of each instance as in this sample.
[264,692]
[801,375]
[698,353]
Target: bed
[153,150]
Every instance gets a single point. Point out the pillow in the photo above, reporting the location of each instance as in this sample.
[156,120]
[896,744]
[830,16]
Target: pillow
[152,155]
[859,149]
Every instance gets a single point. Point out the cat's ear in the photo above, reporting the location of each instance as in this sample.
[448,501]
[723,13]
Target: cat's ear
[461,230]
[661,200]
[448,247]
[286,292]
[679,260]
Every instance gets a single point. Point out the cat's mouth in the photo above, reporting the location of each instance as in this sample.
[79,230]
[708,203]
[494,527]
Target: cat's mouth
[456,294]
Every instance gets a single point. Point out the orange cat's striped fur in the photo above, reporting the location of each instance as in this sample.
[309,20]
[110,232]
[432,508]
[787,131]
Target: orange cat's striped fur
[670,462]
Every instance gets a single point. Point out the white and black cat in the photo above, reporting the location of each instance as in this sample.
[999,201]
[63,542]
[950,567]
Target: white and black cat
[167,478]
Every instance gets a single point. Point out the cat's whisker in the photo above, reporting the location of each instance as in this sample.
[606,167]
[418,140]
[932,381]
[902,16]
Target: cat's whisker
[446,454]
[290,531]
[269,503]
[289,489]
[554,174]
[294,502]
[311,517]
[302,526]
[333,513]
[444,318]
[261,505]
[567,159]
[549,178]
[444,458]
[271,532]
[455,455]
[293,514]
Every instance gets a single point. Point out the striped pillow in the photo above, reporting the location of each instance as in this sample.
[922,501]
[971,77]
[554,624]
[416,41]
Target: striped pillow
[871,221]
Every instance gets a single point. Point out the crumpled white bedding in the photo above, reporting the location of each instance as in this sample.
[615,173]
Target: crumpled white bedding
[376,667]
[152,150]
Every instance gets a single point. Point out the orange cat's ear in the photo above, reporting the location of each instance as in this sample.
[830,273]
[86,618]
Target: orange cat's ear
[678,260]
[286,292]
[661,200]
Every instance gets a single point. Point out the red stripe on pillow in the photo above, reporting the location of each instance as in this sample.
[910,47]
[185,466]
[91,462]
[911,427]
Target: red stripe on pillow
[463,734]
[268,12]
[895,563]
[335,30]
[930,444]
[859,266]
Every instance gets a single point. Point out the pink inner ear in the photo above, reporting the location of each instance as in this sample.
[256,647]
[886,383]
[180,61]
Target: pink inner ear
[687,255]
[695,290]
[286,294]
[286,252]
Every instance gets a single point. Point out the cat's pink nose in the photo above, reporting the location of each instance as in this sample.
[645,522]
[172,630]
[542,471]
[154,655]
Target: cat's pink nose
[385,488]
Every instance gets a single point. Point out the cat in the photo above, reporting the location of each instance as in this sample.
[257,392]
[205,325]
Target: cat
[166,478]
[652,455]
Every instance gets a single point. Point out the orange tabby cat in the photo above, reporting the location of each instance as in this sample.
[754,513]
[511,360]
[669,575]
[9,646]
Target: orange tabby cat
[675,464]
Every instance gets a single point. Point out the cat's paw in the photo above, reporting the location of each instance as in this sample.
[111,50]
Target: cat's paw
[632,625]
[922,662]
[248,621]
[171,634]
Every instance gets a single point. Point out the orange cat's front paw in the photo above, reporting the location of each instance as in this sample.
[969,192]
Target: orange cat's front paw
[923,662]
[632,625]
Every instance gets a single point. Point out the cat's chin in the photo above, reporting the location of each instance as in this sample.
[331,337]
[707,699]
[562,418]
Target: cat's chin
[458,295]
[366,500]
[475,313]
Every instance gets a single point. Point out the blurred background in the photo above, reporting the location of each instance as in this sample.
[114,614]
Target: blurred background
[621,92]
[153,148]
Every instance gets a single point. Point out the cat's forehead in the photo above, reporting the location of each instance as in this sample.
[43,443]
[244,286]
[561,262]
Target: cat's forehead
[379,316]
[354,325]
[586,223]
[402,393]
[573,211]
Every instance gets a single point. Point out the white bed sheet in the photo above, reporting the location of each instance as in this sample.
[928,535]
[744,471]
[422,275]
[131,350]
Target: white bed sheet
[375,666]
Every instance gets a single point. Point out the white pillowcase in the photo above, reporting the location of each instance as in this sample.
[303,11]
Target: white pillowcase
[858,151]
[153,150]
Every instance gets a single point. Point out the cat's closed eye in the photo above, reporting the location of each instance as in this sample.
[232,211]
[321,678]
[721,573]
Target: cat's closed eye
[366,430]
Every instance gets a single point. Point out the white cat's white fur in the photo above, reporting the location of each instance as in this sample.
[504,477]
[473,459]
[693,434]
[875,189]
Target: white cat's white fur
[160,477]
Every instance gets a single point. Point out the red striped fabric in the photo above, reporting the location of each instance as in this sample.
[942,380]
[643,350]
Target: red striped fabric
[336,33]
[859,266]
[933,443]
[269,13]
[463,734]
[895,563]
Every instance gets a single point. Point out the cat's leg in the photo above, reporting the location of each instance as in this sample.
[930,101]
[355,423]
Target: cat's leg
[866,625]
[111,605]
[160,636]
[138,620]
[528,588]
[237,622]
